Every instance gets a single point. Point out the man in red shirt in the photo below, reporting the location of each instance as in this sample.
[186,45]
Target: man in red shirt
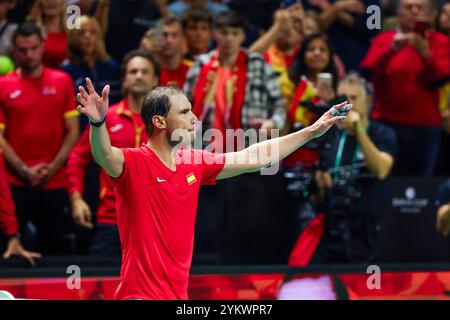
[167,44]
[126,129]
[8,221]
[39,127]
[157,185]
[407,66]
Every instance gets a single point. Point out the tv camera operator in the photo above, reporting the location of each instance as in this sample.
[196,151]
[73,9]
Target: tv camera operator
[355,157]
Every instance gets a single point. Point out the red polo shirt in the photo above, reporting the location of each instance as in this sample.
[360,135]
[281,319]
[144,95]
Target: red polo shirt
[177,76]
[33,112]
[156,210]
[405,83]
[126,129]
[8,221]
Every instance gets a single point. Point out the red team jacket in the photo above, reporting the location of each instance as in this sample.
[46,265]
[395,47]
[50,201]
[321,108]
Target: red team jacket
[126,129]
[8,221]
[405,83]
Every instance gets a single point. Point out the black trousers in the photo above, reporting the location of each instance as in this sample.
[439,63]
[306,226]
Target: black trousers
[106,241]
[356,244]
[52,227]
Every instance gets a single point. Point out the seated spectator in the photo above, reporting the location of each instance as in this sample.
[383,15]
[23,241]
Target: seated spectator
[168,50]
[124,23]
[358,155]
[6,27]
[38,128]
[345,22]
[88,58]
[443,211]
[197,27]
[50,16]
[178,7]
[394,63]
[304,94]
[231,78]
[126,129]
[280,44]
[8,221]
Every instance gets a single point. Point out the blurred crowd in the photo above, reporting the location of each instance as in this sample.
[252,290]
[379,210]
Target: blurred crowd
[261,64]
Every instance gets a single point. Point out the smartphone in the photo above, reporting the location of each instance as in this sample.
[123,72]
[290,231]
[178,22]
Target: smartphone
[325,80]
[421,27]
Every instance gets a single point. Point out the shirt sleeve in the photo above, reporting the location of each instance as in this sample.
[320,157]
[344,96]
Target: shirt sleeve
[211,167]
[380,52]
[438,62]
[385,140]
[127,167]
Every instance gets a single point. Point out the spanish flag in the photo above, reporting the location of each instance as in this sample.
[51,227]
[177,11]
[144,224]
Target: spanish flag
[190,178]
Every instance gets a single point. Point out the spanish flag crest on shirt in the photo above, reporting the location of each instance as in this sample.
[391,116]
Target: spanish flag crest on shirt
[190,178]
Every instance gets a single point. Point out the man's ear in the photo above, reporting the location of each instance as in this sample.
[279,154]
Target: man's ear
[159,122]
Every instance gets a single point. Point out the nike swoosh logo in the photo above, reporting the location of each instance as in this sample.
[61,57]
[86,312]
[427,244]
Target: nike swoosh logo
[15,94]
[160,180]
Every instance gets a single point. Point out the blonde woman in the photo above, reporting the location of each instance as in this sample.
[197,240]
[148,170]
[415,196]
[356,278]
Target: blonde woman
[50,16]
[87,57]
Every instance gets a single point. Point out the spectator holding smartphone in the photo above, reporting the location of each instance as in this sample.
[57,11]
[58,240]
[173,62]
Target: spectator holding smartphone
[407,66]
[304,90]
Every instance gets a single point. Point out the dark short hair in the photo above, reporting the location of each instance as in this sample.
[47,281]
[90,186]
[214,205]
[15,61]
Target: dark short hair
[230,19]
[194,16]
[157,103]
[138,53]
[27,29]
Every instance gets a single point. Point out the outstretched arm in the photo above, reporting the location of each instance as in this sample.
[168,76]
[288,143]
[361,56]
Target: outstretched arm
[94,107]
[271,151]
